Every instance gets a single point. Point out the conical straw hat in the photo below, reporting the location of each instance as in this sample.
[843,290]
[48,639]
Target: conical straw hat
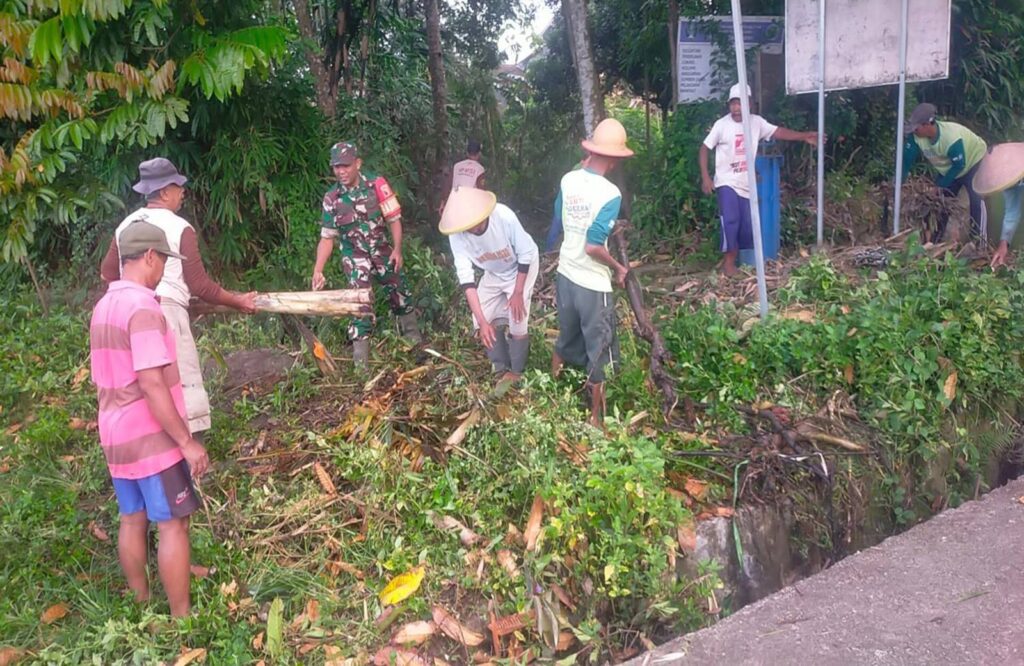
[1001,168]
[609,140]
[466,208]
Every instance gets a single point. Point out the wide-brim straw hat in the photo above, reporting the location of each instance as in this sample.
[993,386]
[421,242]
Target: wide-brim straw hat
[466,208]
[609,140]
[1003,167]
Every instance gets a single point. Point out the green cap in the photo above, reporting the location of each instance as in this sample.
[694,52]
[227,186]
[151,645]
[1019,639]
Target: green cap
[343,154]
[140,236]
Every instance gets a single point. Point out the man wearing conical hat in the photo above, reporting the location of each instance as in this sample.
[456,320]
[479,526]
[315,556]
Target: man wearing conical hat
[488,235]
[587,207]
[732,155]
[955,152]
[1002,170]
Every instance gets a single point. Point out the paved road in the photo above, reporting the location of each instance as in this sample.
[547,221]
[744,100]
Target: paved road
[948,591]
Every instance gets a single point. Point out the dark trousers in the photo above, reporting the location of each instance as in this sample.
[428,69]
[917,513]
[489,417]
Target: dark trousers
[977,205]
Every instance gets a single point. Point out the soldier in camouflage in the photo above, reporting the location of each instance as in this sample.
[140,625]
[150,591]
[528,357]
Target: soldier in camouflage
[355,212]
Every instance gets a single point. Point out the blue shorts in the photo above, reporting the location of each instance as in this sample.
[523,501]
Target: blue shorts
[164,495]
[734,215]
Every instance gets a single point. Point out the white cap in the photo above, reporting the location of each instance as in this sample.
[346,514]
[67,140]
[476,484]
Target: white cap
[734,92]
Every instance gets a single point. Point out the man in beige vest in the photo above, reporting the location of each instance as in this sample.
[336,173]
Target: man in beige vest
[164,189]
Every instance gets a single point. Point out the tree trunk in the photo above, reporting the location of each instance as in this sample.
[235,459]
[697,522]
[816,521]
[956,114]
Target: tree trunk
[325,101]
[439,92]
[578,27]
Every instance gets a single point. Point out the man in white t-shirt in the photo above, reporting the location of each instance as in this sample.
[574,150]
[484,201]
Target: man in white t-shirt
[587,207]
[731,162]
[469,172]
[488,235]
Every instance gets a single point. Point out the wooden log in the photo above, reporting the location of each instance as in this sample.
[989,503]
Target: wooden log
[335,303]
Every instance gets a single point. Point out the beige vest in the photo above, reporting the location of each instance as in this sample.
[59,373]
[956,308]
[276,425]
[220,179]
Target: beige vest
[172,287]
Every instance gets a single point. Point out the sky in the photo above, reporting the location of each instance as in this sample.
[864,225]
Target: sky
[515,42]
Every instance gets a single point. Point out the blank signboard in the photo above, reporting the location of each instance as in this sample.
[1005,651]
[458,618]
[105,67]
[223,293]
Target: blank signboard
[862,40]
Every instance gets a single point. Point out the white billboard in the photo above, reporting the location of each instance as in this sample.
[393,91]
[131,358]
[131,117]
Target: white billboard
[695,74]
[862,39]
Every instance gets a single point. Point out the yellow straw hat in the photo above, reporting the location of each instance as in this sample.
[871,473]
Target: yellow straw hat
[466,208]
[1001,168]
[609,140]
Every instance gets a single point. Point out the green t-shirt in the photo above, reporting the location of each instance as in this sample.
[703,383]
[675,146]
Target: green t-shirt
[955,151]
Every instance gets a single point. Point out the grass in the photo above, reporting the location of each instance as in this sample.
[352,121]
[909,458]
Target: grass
[271,531]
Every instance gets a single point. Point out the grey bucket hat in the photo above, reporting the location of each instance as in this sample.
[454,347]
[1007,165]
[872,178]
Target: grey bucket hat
[922,114]
[156,174]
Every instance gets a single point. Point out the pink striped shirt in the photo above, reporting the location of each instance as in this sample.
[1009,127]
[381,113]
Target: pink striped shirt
[128,333]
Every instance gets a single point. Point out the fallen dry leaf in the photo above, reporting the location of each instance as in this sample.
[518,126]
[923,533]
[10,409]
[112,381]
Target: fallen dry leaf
[81,424]
[199,571]
[806,316]
[414,633]
[325,479]
[80,376]
[257,642]
[454,629]
[460,433]
[10,655]
[332,656]
[686,535]
[313,610]
[438,661]
[198,654]
[513,536]
[696,488]
[308,647]
[565,640]
[54,613]
[401,587]
[391,656]
[723,511]
[532,530]
[949,388]
[508,562]
[563,596]
[229,589]
[848,374]
[510,624]
[98,531]
[468,537]
[337,566]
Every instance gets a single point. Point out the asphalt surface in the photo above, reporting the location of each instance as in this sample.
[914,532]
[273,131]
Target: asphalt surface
[947,591]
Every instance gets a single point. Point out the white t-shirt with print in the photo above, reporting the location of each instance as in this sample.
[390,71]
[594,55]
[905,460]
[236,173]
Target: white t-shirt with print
[731,158]
[499,250]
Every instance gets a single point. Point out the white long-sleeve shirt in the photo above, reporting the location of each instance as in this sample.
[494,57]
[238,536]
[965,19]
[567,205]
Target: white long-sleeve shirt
[501,249]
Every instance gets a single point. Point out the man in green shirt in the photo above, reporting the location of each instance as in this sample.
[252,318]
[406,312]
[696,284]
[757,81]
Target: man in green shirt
[955,152]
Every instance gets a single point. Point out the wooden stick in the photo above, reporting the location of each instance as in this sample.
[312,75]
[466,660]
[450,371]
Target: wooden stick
[335,303]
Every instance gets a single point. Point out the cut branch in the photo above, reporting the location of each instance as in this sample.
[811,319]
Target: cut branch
[336,303]
[659,355]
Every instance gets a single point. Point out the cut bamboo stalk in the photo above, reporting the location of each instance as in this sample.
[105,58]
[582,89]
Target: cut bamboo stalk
[335,303]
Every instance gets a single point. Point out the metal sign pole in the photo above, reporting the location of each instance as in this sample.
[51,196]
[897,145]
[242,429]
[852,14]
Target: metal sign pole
[750,147]
[898,180]
[821,122]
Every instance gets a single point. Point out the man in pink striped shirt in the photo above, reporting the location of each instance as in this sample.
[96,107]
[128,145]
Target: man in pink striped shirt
[143,428]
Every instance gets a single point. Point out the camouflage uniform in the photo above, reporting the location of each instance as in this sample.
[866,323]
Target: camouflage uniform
[358,219]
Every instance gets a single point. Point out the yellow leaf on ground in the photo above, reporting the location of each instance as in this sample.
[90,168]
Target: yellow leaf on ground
[54,613]
[532,530]
[848,374]
[401,587]
[325,479]
[949,388]
[198,654]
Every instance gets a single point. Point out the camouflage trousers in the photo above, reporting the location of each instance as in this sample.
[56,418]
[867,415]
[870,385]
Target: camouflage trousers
[368,263]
